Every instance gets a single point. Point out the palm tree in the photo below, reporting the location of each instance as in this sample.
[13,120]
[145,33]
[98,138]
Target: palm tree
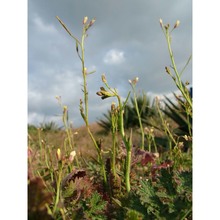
[130,115]
[179,115]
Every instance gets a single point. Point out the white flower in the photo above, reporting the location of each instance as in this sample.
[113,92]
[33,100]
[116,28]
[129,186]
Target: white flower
[72,155]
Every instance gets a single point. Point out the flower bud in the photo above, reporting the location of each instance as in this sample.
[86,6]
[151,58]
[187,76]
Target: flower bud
[72,155]
[103,78]
[65,110]
[99,93]
[58,154]
[85,19]
[136,80]
[133,81]
[177,24]
[161,22]
[167,26]
[92,22]
[104,94]
[156,155]
[186,137]
[168,70]
[146,129]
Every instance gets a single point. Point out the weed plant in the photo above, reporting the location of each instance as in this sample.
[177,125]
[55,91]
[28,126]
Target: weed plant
[125,180]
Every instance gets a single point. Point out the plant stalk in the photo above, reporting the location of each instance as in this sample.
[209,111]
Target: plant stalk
[179,82]
[139,118]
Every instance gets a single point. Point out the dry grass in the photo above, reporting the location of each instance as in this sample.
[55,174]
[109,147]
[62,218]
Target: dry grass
[83,144]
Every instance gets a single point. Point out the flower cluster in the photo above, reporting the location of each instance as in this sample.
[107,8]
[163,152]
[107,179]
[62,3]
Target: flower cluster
[104,93]
[87,26]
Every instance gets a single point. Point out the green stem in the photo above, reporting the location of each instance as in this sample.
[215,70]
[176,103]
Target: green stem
[99,156]
[41,147]
[155,145]
[121,117]
[166,129]
[149,142]
[139,118]
[114,148]
[179,83]
[128,170]
[189,124]
[127,145]
[86,118]
[85,92]
[186,214]
[65,121]
[114,122]
[60,166]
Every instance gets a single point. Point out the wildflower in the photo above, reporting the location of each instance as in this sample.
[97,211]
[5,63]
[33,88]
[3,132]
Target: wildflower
[72,155]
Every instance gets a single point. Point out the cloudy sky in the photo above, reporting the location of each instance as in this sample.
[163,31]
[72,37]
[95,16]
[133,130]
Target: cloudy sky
[126,41]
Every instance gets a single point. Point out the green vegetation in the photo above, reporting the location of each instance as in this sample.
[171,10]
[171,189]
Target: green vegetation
[139,168]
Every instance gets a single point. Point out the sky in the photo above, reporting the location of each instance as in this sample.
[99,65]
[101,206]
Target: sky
[125,42]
